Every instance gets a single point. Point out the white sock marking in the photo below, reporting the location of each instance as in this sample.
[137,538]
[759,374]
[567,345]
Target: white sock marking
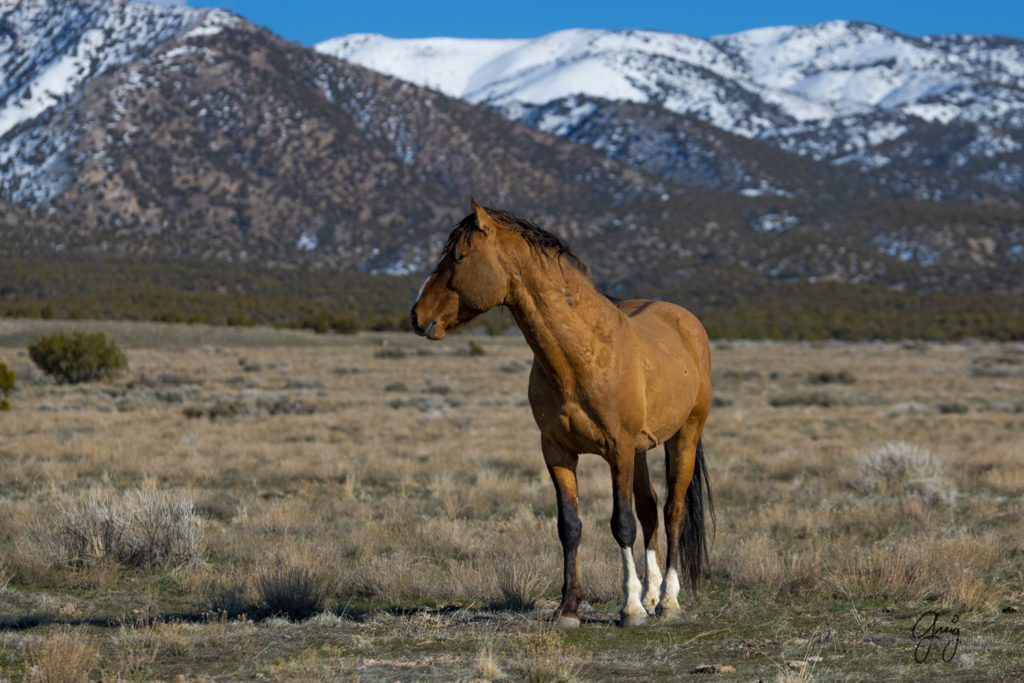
[670,590]
[630,585]
[652,581]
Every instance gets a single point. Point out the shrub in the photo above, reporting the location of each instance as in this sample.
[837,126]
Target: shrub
[520,582]
[293,588]
[899,468]
[543,655]
[320,324]
[6,386]
[832,377]
[66,655]
[139,528]
[77,357]
[241,320]
[345,325]
[229,595]
[169,316]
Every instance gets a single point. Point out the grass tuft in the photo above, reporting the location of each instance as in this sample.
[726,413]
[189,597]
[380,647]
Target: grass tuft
[520,581]
[67,656]
[542,656]
[293,588]
[137,528]
[899,468]
[487,664]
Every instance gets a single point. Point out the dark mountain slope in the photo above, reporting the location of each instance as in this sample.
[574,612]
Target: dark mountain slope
[235,142]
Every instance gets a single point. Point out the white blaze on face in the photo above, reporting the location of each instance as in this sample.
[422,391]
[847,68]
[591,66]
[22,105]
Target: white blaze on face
[423,286]
[652,581]
[630,585]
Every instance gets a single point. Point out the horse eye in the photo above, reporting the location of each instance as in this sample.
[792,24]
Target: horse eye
[459,258]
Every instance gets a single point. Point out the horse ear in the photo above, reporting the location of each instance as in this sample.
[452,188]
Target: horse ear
[483,219]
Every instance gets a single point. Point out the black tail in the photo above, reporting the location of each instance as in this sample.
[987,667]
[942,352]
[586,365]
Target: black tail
[694,547]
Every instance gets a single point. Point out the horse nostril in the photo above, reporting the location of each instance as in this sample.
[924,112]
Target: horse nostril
[416,327]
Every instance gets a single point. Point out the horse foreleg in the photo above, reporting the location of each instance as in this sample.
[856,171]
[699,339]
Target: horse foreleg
[562,468]
[623,525]
[647,512]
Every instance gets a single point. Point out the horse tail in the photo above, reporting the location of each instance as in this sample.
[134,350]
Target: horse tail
[699,507]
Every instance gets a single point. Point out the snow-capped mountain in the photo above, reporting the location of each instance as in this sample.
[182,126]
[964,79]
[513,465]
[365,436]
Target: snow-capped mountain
[49,52]
[48,49]
[797,73]
[845,92]
[783,153]
[224,139]
[684,74]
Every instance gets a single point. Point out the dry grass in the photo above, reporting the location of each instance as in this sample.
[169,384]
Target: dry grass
[487,666]
[542,656]
[293,586]
[407,507]
[521,581]
[63,657]
[138,527]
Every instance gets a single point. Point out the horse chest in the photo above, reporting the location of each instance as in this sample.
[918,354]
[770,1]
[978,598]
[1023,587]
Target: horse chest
[567,423]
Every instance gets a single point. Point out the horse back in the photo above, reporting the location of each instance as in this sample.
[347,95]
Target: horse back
[664,323]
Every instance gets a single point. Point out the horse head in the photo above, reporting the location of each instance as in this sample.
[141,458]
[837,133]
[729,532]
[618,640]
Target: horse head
[470,278]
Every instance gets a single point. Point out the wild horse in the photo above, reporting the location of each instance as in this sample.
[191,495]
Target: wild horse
[611,379]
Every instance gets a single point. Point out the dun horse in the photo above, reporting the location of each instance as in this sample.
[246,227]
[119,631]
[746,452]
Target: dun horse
[615,380]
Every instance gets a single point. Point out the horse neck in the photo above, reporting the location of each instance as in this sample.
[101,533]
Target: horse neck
[560,314]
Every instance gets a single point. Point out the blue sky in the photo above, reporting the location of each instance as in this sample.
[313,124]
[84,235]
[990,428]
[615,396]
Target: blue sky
[310,21]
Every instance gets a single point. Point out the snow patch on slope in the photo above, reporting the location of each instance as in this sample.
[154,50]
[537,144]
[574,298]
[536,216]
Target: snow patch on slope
[49,49]
[742,83]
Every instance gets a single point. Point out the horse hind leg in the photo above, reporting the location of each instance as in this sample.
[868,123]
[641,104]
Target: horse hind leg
[646,501]
[688,494]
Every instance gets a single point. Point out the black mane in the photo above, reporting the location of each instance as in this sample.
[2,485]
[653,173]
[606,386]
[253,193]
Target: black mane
[539,239]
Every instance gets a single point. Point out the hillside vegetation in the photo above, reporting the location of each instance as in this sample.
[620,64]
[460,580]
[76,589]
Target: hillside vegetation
[326,301]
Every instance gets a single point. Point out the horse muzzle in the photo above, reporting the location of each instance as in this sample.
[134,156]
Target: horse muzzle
[434,331]
[431,330]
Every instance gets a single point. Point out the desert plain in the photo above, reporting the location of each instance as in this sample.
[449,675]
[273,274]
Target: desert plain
[252,503]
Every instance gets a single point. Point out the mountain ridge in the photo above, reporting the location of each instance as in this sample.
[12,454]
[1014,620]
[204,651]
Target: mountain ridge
[847,93]
[215,141]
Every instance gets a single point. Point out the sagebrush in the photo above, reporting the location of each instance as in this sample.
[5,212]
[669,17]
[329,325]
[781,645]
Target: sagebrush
[77,357]
[137,528]
[6,386]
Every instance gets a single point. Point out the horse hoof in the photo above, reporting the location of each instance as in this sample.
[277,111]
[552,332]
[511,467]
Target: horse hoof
[669,613]
[632,619]
[564,623]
